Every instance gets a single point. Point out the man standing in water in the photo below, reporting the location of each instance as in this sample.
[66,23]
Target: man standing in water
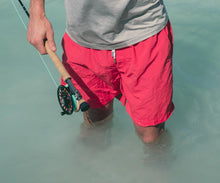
[116,48]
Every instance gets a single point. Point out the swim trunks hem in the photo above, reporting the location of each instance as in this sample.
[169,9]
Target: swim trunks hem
[153,122]
[103,103]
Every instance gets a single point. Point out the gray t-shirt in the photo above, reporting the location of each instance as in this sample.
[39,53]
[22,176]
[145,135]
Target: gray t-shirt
[113,24]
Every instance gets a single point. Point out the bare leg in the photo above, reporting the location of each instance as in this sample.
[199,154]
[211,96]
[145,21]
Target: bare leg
[94,117]
[95,131]
[149,134]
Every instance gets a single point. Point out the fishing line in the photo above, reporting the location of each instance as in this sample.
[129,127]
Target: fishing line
[69,97]
[41,57]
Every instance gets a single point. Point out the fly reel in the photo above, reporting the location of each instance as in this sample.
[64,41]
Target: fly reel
[66,100]
[70,99]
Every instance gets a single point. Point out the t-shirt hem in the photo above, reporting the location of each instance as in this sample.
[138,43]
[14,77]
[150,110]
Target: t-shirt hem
[119,45]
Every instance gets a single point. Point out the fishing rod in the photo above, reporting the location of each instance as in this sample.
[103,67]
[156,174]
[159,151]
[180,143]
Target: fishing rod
[68,96]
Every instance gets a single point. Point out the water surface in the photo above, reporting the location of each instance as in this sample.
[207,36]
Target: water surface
[38,145]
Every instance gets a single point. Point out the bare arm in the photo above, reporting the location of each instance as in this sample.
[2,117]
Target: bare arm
[39,27]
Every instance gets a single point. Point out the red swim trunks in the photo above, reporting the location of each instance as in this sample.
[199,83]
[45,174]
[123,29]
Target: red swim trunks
[142,73]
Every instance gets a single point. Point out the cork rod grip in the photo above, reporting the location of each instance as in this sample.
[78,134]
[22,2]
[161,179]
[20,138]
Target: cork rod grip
[81,103]
[58,64]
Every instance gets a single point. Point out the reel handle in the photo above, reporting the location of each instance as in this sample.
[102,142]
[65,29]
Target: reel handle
[81,105]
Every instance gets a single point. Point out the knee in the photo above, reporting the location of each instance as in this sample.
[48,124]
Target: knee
[149,134]
[149,138]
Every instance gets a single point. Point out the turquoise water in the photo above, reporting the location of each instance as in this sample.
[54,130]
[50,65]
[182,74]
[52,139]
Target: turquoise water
[38,145]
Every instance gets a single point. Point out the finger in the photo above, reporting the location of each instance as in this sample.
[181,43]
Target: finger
[50,39]
[40,47]
[37,43]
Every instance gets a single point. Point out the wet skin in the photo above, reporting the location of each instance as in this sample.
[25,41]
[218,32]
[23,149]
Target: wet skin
[149,134]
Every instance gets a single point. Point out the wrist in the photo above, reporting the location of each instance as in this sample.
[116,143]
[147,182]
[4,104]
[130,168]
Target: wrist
[37,9]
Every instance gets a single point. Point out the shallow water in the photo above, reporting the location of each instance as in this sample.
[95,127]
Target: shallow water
[39,145]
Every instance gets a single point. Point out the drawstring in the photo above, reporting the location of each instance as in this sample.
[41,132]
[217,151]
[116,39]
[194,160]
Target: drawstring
[114,55]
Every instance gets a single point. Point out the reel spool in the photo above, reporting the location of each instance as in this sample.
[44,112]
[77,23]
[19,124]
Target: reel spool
[67,101]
